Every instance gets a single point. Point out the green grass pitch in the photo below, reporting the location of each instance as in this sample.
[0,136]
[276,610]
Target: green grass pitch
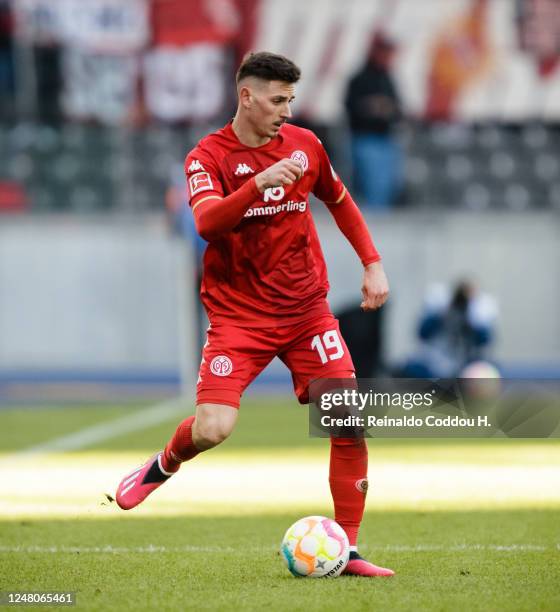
[467,525]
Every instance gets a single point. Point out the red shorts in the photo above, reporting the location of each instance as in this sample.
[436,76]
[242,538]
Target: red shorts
[234,356]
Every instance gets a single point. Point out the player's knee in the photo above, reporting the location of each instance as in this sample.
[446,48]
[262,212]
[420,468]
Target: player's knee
[211,429]
[210,435]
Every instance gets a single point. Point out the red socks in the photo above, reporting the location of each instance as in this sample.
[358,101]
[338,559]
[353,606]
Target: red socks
[347,476]
[180,448]
[348,481]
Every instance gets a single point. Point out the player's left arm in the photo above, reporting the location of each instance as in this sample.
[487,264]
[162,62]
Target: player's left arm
[348,217]
[375,288]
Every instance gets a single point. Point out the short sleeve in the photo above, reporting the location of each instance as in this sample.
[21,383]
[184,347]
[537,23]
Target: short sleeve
[203,179]
[328,186]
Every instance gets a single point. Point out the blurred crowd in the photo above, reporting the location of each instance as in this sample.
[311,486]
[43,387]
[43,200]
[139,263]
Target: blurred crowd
[462,117]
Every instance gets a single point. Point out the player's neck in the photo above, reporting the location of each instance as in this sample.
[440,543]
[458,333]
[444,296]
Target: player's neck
[245,133]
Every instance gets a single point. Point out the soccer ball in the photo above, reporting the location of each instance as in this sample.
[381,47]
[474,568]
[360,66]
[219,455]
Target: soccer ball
[480,369]
[481,380]
[315,546]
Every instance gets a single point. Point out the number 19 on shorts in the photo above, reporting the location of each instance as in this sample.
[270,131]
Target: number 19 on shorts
[328,346]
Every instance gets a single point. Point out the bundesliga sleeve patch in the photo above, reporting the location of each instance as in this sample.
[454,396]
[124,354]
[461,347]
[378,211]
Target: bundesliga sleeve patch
[198,182]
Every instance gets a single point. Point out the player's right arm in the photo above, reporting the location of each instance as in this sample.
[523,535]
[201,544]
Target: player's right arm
[284,172]
[214,213]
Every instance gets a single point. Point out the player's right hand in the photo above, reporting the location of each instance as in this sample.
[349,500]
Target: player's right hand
[284,172]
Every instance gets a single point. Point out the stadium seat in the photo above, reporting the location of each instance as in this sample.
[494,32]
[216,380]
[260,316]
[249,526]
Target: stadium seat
[84,167]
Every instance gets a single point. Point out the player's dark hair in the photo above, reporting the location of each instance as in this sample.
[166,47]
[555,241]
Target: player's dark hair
[269,67]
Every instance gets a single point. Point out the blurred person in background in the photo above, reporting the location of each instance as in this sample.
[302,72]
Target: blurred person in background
[13,197]
[363,333]
[181,223]
[6,55]
[456,328]
[374,110]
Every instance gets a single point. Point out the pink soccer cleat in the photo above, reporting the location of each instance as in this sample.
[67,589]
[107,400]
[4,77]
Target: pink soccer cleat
[138,484]
[357,566]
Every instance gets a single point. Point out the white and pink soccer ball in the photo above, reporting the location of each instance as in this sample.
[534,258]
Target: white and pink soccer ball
[315,546]
[481,380]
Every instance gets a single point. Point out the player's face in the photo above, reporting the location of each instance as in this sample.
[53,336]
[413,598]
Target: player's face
[270,107]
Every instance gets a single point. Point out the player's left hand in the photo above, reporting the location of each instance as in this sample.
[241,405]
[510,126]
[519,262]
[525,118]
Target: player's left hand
[375,288]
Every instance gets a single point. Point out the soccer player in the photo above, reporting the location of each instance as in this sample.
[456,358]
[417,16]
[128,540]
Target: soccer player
[265,282]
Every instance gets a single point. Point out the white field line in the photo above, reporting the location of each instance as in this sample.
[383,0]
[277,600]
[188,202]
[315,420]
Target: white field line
[394,548]
[153,415]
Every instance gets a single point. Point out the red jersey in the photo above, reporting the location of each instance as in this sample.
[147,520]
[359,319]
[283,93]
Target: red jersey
[269,270]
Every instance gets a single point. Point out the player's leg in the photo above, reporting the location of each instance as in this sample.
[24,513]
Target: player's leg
[319,351]
[223,376]
[210,426]
[348,482]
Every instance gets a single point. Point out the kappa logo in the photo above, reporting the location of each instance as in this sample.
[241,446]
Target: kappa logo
[221,365]
[243,169]
[301,158]
[195,165]
[200,182]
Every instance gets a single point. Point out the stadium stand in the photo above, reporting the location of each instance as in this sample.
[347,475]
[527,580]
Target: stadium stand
[88,168]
